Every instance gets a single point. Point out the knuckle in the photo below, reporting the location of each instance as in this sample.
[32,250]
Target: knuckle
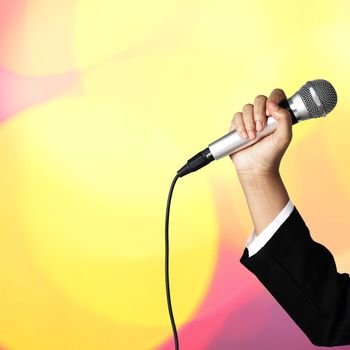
[260,98]
[277,95]
[259,115]
[260,107]
[236,116]
[259,118]
[248,107]
[278,91]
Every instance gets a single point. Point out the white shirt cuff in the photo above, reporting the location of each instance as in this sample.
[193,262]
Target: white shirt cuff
[256,242]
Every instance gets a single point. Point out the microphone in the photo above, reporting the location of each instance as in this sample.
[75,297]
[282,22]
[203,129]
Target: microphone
[314,99]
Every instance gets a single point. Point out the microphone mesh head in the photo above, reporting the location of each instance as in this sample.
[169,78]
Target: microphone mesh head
[325,93]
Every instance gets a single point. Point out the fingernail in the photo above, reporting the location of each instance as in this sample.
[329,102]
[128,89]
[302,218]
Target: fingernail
[272,106]
[259,125]
[244,134]
[251,134]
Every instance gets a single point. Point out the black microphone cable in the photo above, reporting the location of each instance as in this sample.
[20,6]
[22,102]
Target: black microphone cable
[198,161]
[167,282]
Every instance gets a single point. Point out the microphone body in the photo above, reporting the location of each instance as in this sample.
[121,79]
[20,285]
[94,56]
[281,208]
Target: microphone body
[315,99]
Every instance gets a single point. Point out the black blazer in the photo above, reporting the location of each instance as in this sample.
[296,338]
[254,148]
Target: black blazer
[301,275]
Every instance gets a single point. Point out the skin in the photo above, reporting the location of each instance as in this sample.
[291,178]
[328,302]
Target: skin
[258,165]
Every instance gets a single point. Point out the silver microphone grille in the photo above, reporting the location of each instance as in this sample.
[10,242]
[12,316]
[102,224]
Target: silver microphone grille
[319,97]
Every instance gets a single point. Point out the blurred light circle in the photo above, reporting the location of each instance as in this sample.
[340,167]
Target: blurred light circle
[93,195]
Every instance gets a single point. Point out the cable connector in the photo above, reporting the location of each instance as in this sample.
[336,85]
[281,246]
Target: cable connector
[196,162]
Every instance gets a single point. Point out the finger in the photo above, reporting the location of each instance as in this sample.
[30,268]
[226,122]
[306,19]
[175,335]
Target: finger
[248,119]
[283,134]
[237,123]
[276,97]
[260,112]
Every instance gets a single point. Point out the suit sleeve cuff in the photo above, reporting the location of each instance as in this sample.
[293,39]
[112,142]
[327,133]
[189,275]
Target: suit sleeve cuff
[256,242]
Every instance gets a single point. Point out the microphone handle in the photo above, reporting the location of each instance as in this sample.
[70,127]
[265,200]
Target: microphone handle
[230,143]
[233,142]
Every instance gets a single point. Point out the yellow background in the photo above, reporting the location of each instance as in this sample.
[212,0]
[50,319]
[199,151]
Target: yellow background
[85,168]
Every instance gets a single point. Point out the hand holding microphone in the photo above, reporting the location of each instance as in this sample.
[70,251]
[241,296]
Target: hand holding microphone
[264,156]
[314,99]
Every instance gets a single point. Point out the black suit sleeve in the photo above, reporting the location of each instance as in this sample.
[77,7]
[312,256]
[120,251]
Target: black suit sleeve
[301,275]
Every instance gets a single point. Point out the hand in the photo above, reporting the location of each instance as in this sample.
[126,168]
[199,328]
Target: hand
[264,156]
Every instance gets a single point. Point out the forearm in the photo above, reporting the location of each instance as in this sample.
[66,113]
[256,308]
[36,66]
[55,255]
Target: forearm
[266,196]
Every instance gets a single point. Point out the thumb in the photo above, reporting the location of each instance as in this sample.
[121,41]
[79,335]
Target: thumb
[283,133]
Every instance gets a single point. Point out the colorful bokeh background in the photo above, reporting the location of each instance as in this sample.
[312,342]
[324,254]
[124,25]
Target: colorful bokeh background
[101,102]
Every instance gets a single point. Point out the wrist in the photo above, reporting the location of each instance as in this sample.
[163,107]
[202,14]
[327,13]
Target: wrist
[260,182]
[257,176]
[266,196]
